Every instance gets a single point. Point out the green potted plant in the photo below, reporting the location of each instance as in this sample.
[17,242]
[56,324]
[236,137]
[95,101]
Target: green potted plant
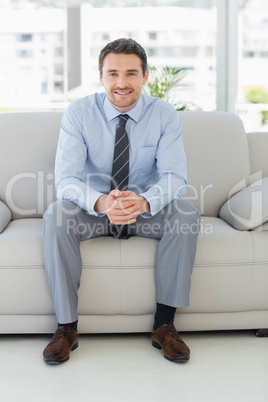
[164,83]
[258,95]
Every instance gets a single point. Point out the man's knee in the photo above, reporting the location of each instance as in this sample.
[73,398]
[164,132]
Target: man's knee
[185,209]
[61,206]
[185,217]
[60,212]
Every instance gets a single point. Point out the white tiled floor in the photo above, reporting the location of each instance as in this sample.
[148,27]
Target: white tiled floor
[224,367]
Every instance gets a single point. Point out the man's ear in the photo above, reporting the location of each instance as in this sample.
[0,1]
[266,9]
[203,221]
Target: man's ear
[146,76]
[100,76]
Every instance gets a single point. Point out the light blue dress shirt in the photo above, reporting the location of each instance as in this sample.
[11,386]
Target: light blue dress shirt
[84,157]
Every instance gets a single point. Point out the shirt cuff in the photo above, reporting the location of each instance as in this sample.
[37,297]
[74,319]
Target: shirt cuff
[79,193]
[154,202]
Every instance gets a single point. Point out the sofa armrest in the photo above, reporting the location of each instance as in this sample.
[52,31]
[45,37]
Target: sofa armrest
[248,208]
[5,216]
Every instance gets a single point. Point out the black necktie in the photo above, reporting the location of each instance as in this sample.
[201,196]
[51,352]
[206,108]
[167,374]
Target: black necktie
[120,171]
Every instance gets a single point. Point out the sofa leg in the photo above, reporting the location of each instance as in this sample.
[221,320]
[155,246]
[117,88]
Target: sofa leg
[260,333]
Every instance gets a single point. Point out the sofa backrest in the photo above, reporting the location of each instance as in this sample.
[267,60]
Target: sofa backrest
[218,157]
[215,144]
[28,144]
[258,150]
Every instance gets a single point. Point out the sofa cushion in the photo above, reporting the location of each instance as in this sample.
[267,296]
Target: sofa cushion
[27,157]
[258,146]
[248,208]
[5,216]
[118,280]
[115,278]
[217,157]
[230,271]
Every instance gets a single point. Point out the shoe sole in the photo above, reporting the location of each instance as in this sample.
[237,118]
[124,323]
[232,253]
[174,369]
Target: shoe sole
[158,346]
[55,362]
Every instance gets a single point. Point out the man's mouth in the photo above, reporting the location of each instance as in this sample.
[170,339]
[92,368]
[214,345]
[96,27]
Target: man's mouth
[123,92]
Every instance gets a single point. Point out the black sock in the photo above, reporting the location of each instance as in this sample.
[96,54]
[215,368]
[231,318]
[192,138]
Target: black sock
[71,324]
[164,314]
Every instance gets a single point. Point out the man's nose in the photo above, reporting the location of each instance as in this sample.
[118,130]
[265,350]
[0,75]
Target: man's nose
[122,82]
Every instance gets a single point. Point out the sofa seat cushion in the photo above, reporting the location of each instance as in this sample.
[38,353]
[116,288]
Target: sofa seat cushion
[23,284]
[116,279]
[118,276]
[230,272]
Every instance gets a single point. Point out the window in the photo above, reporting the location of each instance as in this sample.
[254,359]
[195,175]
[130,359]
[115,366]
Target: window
[248,54]
[44,87]
[58,69]
[105,36]
[58,86]
[222,44]
[58,52]
[152,35]
[24,53]
[151,52]
[252,82]
[25,38]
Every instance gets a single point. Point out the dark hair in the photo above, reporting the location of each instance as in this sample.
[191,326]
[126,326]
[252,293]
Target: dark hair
[125,46]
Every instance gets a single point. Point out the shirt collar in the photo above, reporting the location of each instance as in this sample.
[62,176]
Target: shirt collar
[111,112]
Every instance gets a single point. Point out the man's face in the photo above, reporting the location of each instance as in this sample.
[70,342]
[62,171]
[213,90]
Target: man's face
[122,78]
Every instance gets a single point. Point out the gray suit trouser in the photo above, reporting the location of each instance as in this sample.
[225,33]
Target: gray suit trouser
[177,227]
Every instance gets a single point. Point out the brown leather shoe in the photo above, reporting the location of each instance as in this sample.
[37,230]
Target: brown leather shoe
[167,338]
[59,348]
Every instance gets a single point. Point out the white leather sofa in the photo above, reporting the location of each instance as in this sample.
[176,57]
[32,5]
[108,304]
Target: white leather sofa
[230,279]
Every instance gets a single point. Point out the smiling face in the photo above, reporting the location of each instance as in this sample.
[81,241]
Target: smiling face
[122,78]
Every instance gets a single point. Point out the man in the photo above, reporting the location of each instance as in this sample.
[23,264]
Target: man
[122,190]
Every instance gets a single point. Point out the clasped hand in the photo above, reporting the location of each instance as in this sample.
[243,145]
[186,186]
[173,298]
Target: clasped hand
[122,207]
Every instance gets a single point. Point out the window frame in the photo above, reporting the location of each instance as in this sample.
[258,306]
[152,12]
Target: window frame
[227,55]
